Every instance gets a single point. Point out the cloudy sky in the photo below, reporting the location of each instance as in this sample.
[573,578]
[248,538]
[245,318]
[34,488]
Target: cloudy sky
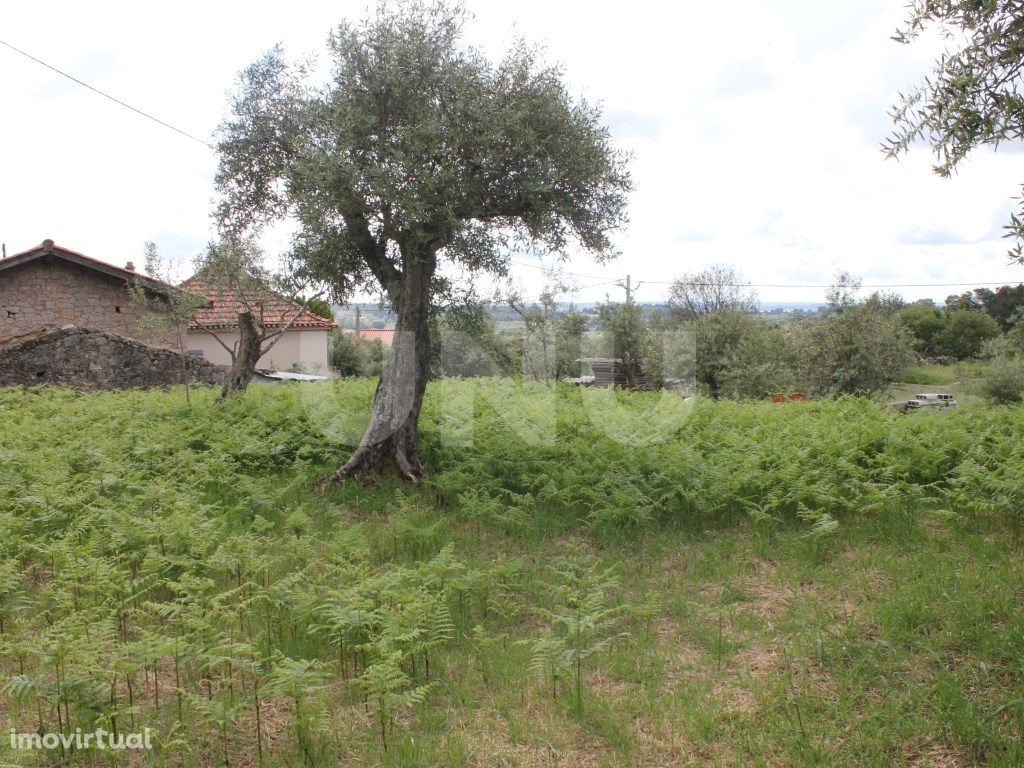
[755,133]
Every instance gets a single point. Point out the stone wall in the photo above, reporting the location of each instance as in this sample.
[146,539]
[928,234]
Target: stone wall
[51,294]
[89,358]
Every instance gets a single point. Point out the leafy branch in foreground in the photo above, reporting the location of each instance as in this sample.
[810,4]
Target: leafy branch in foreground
[972,97]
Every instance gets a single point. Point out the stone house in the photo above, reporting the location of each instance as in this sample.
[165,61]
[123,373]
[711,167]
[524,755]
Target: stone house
[49,286]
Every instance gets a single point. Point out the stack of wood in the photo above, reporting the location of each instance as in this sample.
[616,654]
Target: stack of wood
[612,372]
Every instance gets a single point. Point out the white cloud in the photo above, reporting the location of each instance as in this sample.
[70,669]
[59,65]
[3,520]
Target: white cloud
[755,132]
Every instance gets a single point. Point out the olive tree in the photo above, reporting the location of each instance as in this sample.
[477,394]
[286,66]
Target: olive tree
[856,349]
[418,151]
[973,96]
[719,288]
[235,270]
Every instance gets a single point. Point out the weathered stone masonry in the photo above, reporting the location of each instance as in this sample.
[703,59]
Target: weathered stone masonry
[89,358]
[49,295]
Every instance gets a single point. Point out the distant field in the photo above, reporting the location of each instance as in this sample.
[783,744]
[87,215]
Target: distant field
[803,584]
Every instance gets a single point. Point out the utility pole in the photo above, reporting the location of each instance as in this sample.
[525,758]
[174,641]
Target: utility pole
[630,289]
[358,310]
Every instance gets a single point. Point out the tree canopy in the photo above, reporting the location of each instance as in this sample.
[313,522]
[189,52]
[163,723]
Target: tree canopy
[418,141]
[1002,304]
[719,288]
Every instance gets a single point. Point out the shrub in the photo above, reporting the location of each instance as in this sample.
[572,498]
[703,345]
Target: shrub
[1003,382]
[355,356]
[964,333]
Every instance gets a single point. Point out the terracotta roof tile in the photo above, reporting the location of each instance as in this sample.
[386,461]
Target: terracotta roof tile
[385,336]
[225,306]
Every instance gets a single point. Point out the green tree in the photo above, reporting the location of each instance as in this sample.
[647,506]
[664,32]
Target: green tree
[632,342]
[856,348]
[1003,381]
[1002,304]
[964,332]
[717,289]
[569,333]
[925,322]
[417,151]
[236,267]
[316,306]
[468,344]
[1015,336]
[717,340]
[543,343]
[172,310]
[353,355]
[973,96]
[760,362]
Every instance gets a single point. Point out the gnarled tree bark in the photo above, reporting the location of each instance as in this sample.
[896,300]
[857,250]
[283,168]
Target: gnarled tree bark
[392,436]
[250,346]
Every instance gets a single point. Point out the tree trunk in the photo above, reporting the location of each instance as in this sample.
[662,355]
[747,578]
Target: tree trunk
[392,437]
[243,365]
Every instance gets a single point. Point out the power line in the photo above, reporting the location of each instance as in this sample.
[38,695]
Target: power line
[572,274]
[107,95]
[188,135]
[798,285]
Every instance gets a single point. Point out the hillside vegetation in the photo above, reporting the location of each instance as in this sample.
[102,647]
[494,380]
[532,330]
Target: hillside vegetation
[585,578]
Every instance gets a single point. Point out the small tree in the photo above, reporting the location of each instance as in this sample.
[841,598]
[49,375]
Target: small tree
[235,268]
[717,340]
[1015,336]
[569,333]
[540,319]
[633,343]
[467,343]
[1003,380]
[316,306]
[353,355]
[855,348]
[717,289]
[172,310]
[759,361]
[924,320]
[842,293]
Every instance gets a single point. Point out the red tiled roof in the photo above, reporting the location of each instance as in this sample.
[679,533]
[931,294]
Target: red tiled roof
[225,306]
[49,248]
[385,336]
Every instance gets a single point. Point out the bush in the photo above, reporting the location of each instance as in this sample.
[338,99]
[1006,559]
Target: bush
[1003,382]
[964,333]
[355,356]
[857,349]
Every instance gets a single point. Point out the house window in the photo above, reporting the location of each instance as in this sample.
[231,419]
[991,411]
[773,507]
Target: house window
[196,353]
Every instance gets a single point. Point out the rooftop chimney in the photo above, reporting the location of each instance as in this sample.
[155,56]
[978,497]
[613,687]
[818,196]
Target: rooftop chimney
[130,266]
[47,245]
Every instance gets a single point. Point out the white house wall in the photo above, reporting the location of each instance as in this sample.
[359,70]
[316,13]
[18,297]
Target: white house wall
[305,349]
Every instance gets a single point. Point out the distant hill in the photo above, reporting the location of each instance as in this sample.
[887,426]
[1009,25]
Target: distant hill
[371,315]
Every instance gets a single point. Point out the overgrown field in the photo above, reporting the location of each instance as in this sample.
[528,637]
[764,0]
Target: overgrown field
[585,579]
